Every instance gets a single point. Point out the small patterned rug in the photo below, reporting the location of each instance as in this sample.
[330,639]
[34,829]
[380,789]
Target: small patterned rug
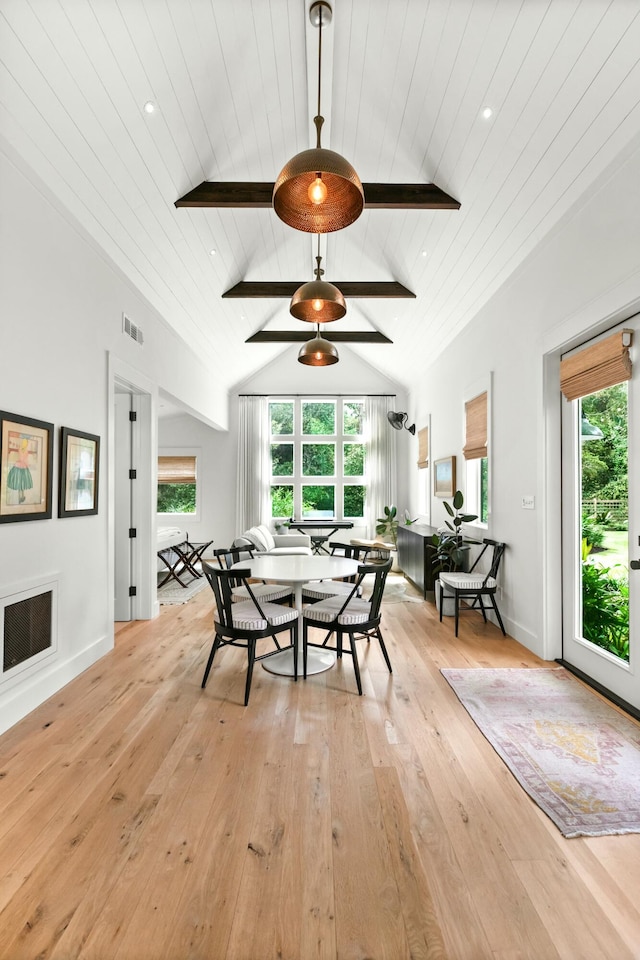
[576,756]
[172,592]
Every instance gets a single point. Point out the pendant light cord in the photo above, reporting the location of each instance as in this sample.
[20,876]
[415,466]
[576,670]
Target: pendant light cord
[319,115]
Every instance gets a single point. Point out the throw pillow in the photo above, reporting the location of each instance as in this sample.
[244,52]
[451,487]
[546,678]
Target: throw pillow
[267,536]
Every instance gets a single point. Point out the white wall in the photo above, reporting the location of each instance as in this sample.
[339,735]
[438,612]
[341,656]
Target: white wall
[217,453]
[587,271]
[62,307]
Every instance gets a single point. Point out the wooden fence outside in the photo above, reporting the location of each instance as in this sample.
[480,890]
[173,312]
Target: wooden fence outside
[618,509]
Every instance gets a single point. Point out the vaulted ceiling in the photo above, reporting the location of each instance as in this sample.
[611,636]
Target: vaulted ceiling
[405,83]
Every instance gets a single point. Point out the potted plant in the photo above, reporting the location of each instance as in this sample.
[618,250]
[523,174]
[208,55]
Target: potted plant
[387,526]
[451,547]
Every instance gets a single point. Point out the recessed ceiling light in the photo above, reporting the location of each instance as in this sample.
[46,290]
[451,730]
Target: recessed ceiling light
[212,253]
[486,113]
[423,253]
[149,106]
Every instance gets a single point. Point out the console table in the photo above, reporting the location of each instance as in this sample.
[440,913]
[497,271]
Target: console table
[415,551]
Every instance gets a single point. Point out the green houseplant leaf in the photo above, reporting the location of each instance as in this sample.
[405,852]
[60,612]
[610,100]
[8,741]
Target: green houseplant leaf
[451,548]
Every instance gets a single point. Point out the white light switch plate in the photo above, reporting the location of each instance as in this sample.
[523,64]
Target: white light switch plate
[528,503]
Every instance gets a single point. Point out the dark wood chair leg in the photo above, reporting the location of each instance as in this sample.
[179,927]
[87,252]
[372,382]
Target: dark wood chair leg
[495,607]
[251,659]
[356,665]
[384,650]
[457,609]
[305,640]
[214,647]
[293,633]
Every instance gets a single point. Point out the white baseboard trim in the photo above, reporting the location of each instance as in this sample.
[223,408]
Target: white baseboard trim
[25,697]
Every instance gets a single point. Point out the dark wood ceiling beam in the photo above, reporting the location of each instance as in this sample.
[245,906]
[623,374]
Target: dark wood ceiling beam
[377,196]
[300,336]
[407,196]
[260,290]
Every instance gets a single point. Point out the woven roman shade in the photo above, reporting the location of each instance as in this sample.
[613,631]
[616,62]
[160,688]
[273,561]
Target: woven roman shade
[475,411]
[423,448]
[594,368]
[176,469]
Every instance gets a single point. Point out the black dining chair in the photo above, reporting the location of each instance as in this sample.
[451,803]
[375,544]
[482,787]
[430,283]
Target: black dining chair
[262,589]
[321,589]
[243,624]
[476,585]
[352,615]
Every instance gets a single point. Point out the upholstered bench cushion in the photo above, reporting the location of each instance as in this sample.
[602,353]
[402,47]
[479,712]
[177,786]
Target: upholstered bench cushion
[247,617]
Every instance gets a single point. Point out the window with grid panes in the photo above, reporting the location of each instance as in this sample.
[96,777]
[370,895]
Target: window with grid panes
[317,457]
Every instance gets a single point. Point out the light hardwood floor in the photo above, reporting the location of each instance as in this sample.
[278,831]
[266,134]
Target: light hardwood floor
[142,818]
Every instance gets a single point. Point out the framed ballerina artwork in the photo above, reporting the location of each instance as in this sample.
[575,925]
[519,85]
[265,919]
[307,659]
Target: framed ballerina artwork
[26,461]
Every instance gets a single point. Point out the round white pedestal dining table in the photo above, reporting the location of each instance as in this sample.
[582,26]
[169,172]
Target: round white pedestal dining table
[297,570]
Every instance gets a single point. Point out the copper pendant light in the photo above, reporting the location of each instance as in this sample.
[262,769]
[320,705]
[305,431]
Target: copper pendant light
[318,191]
[318,301]
[318,352]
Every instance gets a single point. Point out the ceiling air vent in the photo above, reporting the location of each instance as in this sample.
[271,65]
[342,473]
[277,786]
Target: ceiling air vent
[132,329]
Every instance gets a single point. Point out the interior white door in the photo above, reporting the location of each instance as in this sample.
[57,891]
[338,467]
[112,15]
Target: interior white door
[122,508]
[595,583]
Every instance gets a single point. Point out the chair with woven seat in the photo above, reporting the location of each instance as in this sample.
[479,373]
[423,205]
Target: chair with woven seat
[352,615]
[243,624]
[264,590]
[476,585]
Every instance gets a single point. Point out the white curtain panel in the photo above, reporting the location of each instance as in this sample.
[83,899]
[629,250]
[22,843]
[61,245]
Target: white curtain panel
[381,459]
[253,463]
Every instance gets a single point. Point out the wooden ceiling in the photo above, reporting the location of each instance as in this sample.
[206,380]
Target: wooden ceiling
[404,86]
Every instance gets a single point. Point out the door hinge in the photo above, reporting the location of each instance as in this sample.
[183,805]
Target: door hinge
[133,474]
[133,416]
[132,533]
[133,591]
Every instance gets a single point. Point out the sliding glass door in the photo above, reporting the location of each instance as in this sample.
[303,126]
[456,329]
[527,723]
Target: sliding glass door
[601,521]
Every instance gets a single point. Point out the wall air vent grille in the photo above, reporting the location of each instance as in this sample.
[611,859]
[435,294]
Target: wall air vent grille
[27,629]
[132,329]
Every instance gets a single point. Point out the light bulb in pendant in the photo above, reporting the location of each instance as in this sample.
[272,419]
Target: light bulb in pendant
[317,191]
[317,305]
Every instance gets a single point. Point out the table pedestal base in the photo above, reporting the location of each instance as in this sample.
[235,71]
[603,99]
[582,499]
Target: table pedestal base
[317,662]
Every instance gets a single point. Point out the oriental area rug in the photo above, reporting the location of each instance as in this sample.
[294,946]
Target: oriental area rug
[576,756]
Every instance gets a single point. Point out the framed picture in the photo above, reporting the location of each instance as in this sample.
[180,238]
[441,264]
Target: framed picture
[26,461]
[79,464]
[444,477]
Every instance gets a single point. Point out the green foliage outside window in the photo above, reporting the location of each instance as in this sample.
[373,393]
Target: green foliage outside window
[281,417]
[605,606]
[353,417]
[353,463]
[318,501]
[318,459]
[281,500]
[604,462]
[281,459]
[176,498]
[318,418]
[354,501]
[484,490]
